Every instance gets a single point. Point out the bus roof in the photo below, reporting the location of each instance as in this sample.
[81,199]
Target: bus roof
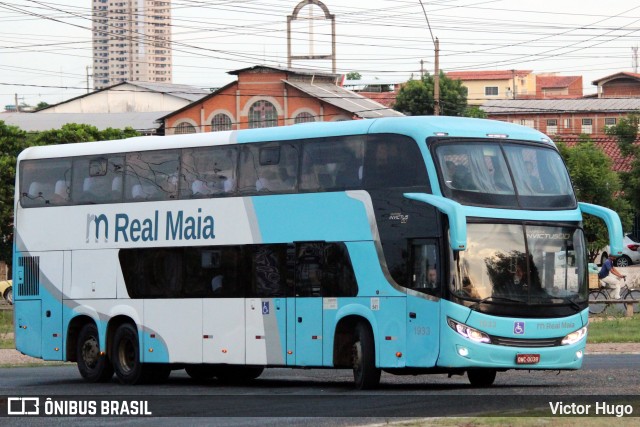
[418,127]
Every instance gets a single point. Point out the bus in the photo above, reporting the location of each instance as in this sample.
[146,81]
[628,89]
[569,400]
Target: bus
[410,245]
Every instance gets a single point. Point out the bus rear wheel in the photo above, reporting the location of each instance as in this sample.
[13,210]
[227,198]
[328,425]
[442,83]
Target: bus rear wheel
[481,377]
[93,366]
[365,374]
[125,355]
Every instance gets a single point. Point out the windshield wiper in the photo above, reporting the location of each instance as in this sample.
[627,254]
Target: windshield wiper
[569,301]
[477,303]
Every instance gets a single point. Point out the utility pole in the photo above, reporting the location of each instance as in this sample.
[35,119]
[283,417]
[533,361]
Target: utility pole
[16,101]
[513,74]
[421,69]
[436,81]
[436,77]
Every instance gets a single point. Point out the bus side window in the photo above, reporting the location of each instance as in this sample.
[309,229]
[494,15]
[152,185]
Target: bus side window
[269,168]
[338,277]
[45,182]
[208,171]
[426,274]
[268,268]
[332,164]
[152,175]
[97,179]
[394,161]
[309,268]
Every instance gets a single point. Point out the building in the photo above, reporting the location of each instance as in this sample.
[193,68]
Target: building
[619,85]
[552,86]
[484,86]
[383,91]
[131,41]
[129,97]
[563,117]
[264,96]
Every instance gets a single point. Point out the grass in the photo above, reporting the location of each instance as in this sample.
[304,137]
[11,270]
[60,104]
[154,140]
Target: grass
[614,329]
[6,327]
[524,421]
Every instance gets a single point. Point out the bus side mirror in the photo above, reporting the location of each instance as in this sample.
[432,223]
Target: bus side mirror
[612,220]
[455,213]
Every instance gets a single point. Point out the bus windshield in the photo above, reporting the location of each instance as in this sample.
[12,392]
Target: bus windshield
[520,264]
[504,174]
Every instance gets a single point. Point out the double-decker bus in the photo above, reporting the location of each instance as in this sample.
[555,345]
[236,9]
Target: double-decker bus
[405,245]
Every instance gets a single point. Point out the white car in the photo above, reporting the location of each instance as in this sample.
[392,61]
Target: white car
[630,254]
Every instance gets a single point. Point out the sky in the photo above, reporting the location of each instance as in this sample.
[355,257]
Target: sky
[45,46]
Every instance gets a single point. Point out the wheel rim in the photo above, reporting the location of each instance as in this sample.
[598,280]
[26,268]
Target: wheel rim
[90,352]
[622,262]
[596,308]
[127,356]
[10,296]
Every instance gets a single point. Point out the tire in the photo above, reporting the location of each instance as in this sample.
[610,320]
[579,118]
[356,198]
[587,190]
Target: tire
[238,374]
[93,367]
[125,355]
[365,374]
[634,294]
[623,261]
[8,295]
[201,372]
[597,308]
[481,377]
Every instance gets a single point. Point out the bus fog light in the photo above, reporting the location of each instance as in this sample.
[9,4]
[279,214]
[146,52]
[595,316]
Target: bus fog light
[579,354]
[574,337]
[463,351]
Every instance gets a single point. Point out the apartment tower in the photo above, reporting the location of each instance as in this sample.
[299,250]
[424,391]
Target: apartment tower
[131,41]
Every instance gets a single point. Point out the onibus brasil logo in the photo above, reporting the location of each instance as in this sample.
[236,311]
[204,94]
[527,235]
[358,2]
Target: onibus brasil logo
[167,226]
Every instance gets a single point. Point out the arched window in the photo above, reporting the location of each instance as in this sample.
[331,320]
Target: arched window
[304,117]
[184,127]
[221,122]
[263,114]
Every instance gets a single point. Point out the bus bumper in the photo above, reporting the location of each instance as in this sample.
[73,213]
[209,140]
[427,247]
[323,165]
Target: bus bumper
[457,351]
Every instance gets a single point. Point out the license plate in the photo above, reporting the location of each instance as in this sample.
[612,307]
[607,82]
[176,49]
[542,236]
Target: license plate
[527,359]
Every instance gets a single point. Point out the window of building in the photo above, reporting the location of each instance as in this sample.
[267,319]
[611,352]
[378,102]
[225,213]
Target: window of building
[491,91]
[552,126]
[184,128]
[610,121]
[221,122]
[304,117]
[262,114]
[587,126]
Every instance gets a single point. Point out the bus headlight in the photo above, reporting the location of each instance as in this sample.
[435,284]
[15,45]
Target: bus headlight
[468,332]
[574,337]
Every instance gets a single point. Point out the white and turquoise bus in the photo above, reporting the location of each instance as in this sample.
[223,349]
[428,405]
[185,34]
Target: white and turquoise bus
[405,245]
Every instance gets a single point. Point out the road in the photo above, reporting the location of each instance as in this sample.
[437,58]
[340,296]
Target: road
[327,397]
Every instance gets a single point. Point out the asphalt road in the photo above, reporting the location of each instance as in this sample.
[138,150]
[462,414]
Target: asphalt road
[327,397]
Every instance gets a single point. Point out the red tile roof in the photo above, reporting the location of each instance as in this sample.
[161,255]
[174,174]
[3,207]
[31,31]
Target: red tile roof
[608,145]
[487,75]
[555,81]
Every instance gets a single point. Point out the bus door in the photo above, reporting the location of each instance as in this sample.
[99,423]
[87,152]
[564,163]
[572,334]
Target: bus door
[266,306]
[423,308]
[309,264]
[38,282]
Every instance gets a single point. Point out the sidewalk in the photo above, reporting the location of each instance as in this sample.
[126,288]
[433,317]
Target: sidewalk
[14,358]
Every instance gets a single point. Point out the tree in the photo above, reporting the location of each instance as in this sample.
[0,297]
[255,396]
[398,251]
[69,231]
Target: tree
[354,75]
[12,141]
[626,133]
[74,132]
[415,97]
[475,112]
[41,105]
[595,182]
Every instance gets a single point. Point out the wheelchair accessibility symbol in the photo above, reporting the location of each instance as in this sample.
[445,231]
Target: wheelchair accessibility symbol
[518,328]
[265,307]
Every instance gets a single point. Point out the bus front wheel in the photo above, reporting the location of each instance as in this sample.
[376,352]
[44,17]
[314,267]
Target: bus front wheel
[125,355]
[92,365]
[481,377]
[365,373]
